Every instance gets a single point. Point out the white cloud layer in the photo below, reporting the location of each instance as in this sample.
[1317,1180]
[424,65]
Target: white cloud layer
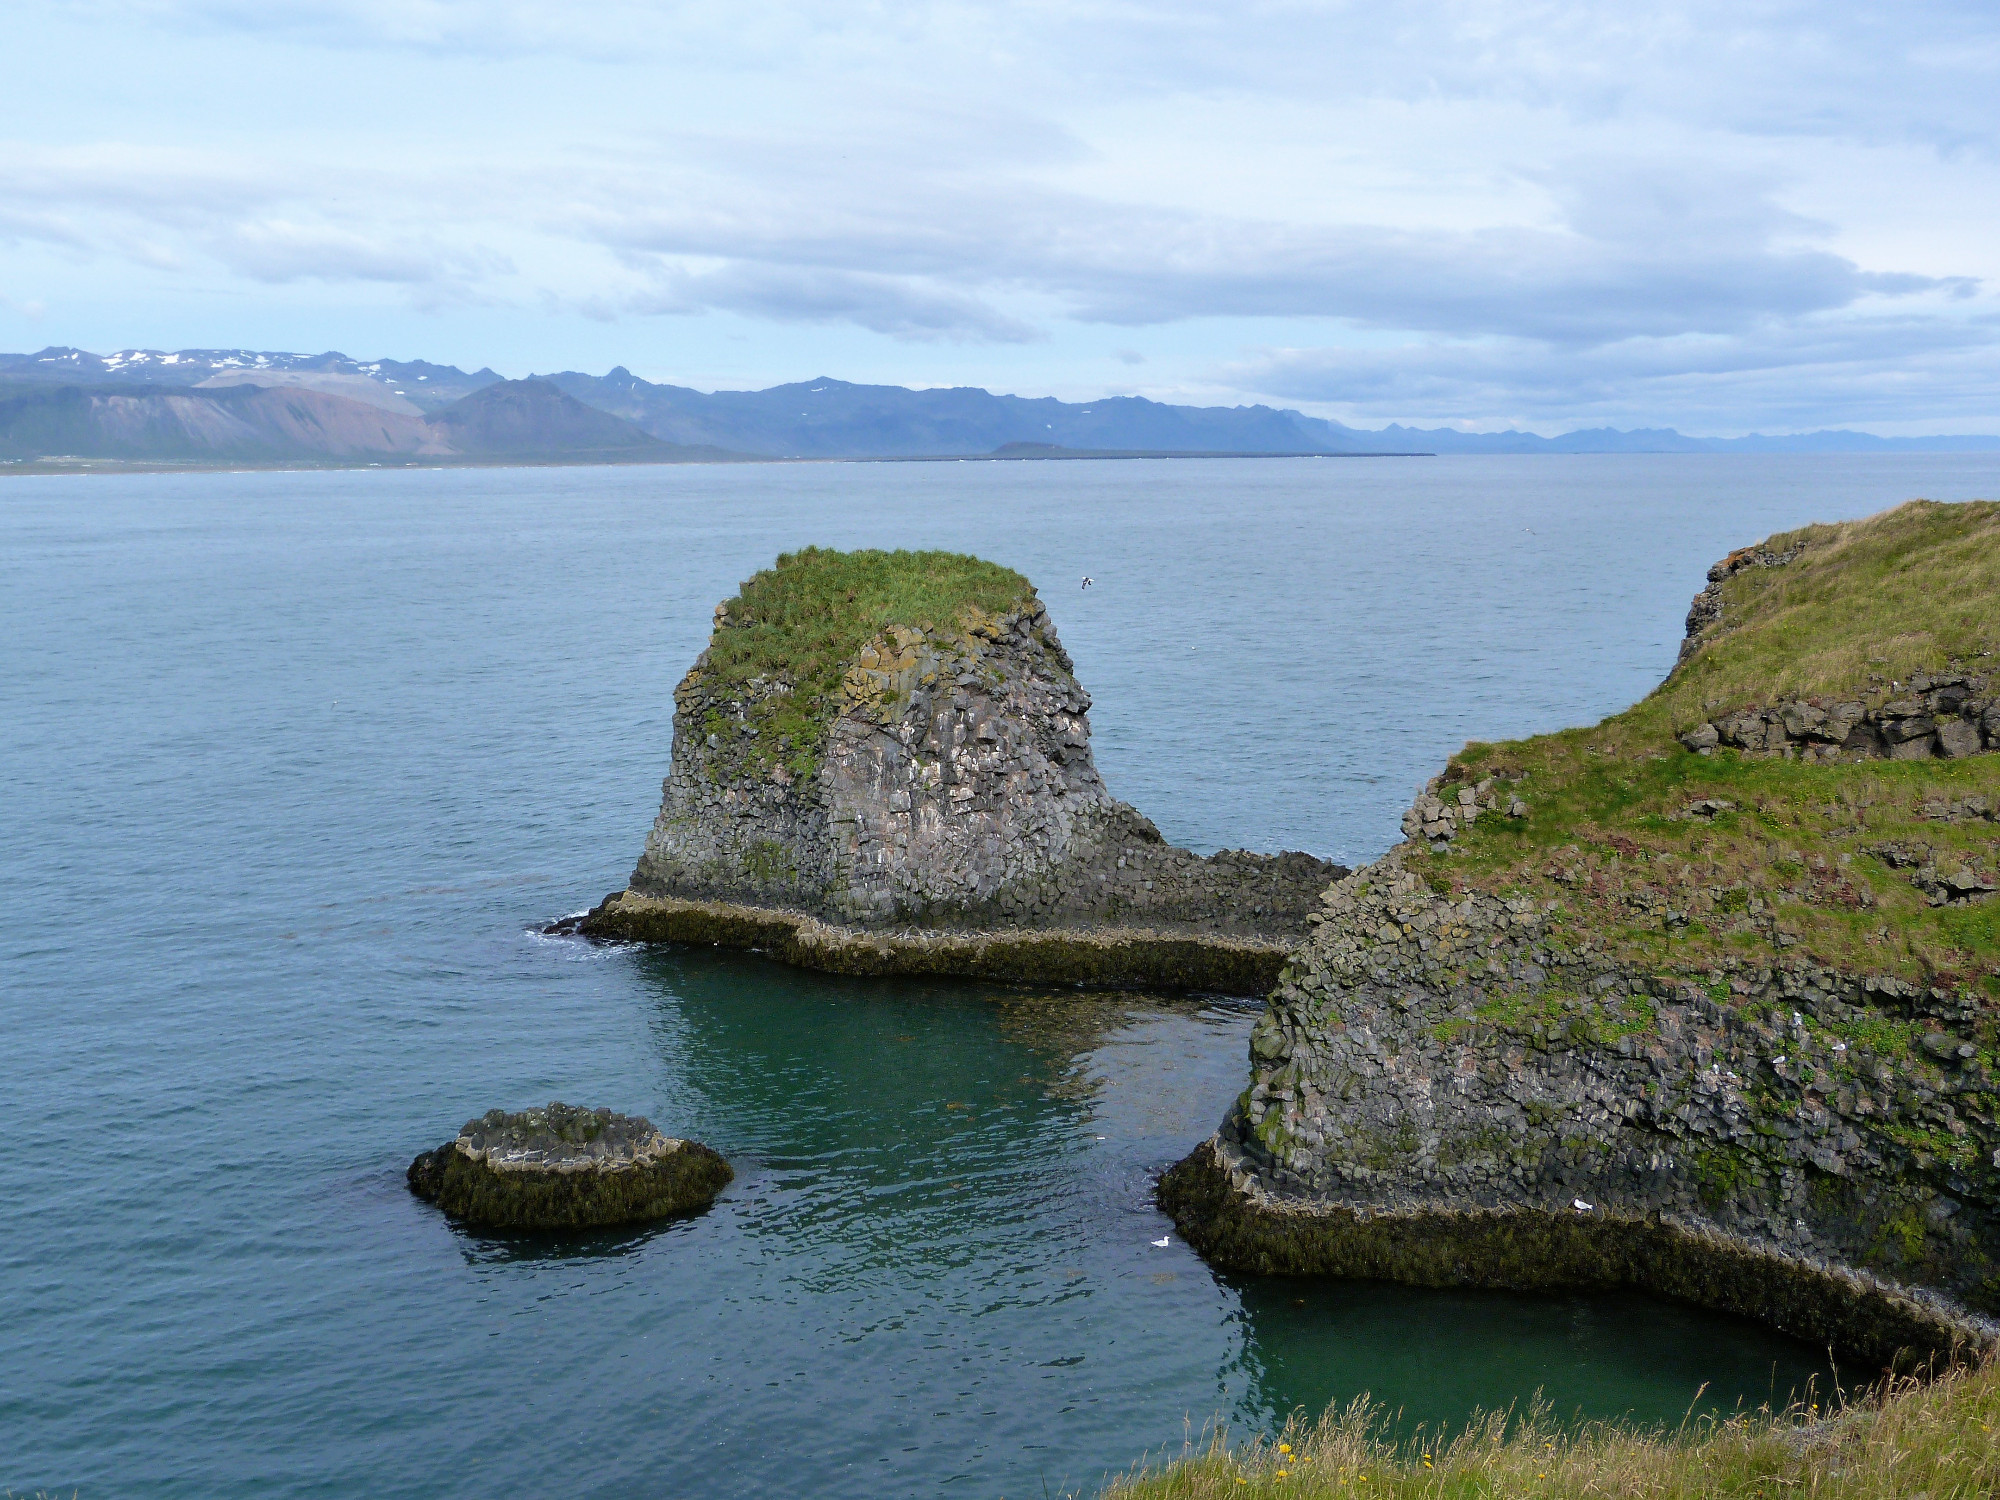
[1719,216]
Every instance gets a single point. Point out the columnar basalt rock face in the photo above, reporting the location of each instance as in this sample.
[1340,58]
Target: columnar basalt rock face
[564,1167]
[1425,1056]
[953,792]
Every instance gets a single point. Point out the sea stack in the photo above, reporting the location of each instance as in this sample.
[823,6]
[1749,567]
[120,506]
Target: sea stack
[881,764]
[1667,1003]
[566,1168]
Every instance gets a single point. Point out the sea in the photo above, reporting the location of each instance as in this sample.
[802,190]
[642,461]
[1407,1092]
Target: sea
[296,766]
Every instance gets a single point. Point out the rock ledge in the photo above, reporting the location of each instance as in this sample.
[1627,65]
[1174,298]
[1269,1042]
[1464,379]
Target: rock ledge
[564,1167]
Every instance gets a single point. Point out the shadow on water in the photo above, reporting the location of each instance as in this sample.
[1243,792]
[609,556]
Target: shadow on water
[486,1247]
[1434,1356]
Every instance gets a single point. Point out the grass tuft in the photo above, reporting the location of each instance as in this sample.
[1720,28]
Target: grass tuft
[1937,1439]
[782,645]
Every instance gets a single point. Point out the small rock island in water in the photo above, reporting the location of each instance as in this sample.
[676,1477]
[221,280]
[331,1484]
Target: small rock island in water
[566,1168]
[1704,999]
[881,764]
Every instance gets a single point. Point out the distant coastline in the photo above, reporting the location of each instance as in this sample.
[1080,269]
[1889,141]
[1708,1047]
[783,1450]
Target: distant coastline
[66,411]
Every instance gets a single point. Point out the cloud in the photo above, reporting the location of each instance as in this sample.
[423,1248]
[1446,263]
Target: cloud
[1647,250]
[1877,368]
[1469,208]
[902,307]
[277,250]
[182,212]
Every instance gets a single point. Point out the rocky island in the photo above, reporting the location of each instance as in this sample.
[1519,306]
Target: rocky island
[881,764]
[566,1168]
[1704,999]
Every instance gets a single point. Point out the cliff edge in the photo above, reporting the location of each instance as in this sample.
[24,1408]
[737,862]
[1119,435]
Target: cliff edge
[1703,999]
[881,764]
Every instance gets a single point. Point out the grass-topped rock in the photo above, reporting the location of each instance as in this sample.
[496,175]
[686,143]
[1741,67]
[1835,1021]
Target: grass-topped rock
[566,1168]
[1636,1004]
[775,675]
[882,764]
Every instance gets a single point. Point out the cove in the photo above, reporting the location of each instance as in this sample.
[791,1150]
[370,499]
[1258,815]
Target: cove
[299,764]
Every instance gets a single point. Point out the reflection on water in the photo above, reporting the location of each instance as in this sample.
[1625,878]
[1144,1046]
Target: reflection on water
[1433,1357]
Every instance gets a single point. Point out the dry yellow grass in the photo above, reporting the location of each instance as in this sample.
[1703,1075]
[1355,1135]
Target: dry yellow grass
[1910,590]
[1934,1440]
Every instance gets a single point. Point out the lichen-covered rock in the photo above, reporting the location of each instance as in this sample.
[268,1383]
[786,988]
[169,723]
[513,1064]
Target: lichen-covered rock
[565,1168]
[940,783]
[1430,1063]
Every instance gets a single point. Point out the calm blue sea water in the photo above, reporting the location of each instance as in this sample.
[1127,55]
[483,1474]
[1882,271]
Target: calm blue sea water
[295,764]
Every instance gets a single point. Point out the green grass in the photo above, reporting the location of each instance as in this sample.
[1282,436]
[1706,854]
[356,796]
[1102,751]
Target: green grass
[1911,590]
[1792,871]
[1936,1440]
[802,624]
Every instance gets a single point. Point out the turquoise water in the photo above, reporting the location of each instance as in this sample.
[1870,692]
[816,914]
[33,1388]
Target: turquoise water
[295,765]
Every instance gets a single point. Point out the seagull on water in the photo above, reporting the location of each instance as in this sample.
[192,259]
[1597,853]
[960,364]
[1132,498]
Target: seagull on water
[1162,1242]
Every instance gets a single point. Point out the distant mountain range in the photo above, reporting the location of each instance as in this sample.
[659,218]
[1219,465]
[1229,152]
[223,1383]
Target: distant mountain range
[235,405]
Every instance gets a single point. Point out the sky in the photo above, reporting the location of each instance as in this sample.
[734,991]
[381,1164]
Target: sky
[1748,215]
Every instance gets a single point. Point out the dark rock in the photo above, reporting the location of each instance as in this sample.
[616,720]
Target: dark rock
[566,1168]
[1939,1045]
[1439,1078]
[1916,726]
[1956,738]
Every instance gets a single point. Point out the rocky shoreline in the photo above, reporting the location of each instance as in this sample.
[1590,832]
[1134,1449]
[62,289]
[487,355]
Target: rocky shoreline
[1446,1092]
[1221,1204]
[1591,1024]
[1095,957]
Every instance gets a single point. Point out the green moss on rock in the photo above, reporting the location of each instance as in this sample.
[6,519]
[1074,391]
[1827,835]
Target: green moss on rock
[1528,1249]
[784,644]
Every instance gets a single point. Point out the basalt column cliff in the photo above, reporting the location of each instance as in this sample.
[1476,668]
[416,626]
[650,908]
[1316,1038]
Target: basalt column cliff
[1669,1003]
[882,764]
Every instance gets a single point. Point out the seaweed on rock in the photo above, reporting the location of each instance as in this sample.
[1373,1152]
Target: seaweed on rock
[565,1168]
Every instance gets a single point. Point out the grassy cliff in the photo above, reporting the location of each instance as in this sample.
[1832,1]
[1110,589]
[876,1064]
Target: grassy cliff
[783,645]
[1681,862]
